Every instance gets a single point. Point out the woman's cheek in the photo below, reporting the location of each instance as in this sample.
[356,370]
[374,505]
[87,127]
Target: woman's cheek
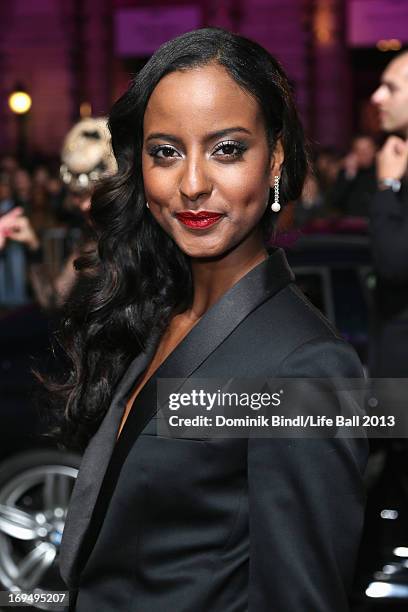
[158,189]
[244,184]
[247,201]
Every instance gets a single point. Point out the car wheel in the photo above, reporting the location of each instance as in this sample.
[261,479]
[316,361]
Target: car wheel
[35,488]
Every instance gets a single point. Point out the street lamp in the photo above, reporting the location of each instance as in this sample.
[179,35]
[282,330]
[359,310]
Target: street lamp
[20,103]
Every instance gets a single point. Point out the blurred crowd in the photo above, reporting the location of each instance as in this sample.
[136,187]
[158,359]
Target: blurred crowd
[44,216]
[46,221]
[39,190]
[339,185]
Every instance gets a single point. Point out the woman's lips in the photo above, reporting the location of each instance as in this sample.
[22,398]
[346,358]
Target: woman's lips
[200,219]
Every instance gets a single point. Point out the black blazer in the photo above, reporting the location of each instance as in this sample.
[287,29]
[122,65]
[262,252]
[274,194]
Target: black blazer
[227,525]
[389,240]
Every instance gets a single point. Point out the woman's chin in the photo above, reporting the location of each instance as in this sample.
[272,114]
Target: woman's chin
[202,251]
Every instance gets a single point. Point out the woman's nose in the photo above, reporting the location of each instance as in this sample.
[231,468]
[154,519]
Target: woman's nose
[195,180]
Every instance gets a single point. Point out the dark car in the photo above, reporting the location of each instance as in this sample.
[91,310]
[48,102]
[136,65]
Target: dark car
[335,272]
[36,478]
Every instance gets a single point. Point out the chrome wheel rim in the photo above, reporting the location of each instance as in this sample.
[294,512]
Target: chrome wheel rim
[33,507]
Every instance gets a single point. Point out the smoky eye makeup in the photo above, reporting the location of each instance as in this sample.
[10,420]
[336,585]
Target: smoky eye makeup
[162,152]
[227,150]
[230,149]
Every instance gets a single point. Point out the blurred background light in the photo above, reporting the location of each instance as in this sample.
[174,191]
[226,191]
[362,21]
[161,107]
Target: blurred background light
[19,102]
[389,45]
[378,589]
[85,110]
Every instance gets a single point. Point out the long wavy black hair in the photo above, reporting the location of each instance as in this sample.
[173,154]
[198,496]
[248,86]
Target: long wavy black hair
[137,277]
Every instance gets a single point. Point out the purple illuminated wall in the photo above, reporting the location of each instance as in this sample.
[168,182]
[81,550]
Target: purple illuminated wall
[65,53]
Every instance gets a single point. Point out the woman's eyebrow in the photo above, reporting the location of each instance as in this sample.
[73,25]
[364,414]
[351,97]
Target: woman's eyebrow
[221,133]
[208,137]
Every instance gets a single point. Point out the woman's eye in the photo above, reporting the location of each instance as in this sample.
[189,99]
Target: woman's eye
[230,149]
[163,152]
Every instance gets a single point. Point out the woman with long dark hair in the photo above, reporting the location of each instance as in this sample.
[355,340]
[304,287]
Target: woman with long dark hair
[209,146]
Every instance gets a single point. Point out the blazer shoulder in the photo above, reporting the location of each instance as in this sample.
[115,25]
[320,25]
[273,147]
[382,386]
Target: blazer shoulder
[293,312]
[303,333]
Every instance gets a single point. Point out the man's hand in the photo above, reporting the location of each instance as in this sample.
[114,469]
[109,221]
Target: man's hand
[392,159]
[6,221]
[16,226]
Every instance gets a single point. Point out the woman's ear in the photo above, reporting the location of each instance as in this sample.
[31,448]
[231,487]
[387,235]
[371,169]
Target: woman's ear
[277,159]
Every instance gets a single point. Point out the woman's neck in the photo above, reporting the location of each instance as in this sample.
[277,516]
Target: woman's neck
[213,277]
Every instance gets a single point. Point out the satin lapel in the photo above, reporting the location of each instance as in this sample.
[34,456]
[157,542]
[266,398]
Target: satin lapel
[260,284]
[93,467]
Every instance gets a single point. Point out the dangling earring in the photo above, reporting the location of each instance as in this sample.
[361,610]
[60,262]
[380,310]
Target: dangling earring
[147,204]
[276,206]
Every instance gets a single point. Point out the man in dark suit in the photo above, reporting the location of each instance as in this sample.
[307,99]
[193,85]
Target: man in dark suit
[389,224]
[389,341]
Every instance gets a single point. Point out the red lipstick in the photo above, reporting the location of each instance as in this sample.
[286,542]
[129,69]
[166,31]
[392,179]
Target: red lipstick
[198,220]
